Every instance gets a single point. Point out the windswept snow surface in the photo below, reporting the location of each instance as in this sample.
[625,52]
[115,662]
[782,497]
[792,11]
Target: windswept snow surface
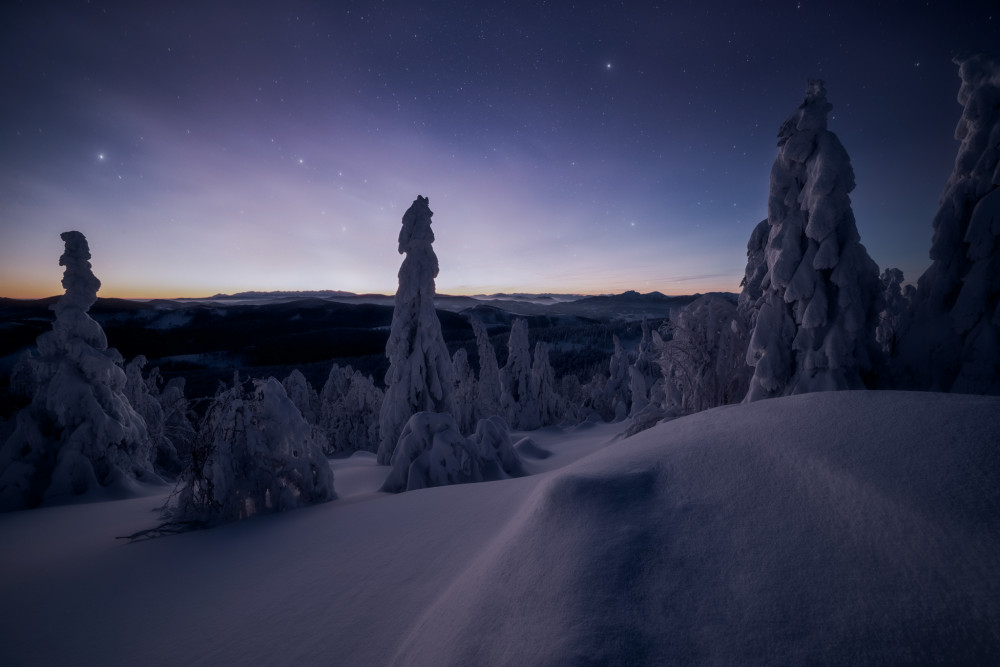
[839,528]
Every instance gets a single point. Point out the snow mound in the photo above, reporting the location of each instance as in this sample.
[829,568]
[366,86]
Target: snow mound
[528,448]
[838,528]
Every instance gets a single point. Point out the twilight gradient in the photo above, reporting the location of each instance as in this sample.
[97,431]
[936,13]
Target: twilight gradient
[229,146]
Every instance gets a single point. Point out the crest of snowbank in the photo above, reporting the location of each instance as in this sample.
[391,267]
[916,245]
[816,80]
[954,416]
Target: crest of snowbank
[862,530]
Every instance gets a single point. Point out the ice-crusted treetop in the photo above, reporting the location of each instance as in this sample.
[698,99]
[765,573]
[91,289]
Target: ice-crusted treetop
[79,281]
[811,114]
[416,229]
[72,320]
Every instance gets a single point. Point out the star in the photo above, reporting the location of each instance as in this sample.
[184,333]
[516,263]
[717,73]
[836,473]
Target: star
[100,156]
[607,65]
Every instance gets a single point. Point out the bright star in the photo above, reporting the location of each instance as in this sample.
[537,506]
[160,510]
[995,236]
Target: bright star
[607,66]
[100,156]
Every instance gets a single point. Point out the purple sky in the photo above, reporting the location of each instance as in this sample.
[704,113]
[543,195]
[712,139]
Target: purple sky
[229,146]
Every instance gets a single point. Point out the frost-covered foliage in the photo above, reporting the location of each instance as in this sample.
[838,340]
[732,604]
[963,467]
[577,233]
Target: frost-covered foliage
[703,361]
[433,452]
[349,411]
[465,390]
[302,395]
[519,404]
[255,454]
[817,313]
[419,378]
[897,304]
[489,388]
[79,433]
[550,408]
[957,320]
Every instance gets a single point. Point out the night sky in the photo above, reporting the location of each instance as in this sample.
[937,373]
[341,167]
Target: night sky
[590,148]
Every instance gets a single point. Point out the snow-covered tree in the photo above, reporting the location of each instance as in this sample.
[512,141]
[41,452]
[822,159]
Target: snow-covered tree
[644,372]
[897,303]
[349,411]
[255,454]
[465,390]
[519,404]
[815,326]
[144,396]
[543,387]
[703,361]
[419,378]
[433,452]
[618,380]
[79,433]
[489,388]
[957,320]
[302,395]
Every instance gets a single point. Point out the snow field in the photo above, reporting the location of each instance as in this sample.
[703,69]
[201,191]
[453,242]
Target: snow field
[846,527]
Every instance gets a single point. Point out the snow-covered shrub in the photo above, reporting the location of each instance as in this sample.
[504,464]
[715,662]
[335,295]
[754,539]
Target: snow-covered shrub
[420,373]
[496,451]
[433,452]
[79,433]
[957,315]
[349,411]
[255,454]
[816,316]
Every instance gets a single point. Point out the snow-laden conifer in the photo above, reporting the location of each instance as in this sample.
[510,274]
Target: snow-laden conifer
[419,378]
[543,387]
[703,361]
[519,404]
[957,319]
[79,433]
[302,394]
[489,387]
[819,304]
[350,404]
[618,380]
[465,390]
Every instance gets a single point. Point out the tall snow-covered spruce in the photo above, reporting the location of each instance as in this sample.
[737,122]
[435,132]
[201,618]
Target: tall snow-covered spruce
[819,302]
[957,318]
[79,434]
[420,375]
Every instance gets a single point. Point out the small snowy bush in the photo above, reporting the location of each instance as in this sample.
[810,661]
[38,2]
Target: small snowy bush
[433,452]
[255,454]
